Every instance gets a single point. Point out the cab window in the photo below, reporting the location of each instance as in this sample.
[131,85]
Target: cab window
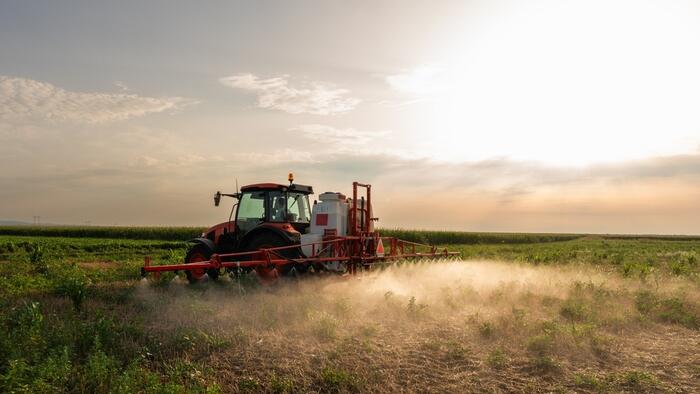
[289,207]
[298,208]
[278,207]
[251,210]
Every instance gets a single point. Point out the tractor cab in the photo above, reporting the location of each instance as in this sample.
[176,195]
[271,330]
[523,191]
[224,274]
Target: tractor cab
[273,204]
[283,210]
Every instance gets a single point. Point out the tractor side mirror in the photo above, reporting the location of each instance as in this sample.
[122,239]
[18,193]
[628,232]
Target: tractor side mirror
[217,199]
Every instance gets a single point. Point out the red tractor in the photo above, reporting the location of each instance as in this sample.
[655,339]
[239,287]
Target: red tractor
[277,232]
[268,215]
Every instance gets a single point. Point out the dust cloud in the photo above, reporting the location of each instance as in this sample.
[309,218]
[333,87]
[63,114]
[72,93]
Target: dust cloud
[444,326]
[419,292]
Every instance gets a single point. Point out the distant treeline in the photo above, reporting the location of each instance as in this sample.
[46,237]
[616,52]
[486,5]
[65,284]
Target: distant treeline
[185,233]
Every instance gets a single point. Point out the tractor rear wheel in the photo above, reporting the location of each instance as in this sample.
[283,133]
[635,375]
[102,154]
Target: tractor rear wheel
[197,254]
[267,275]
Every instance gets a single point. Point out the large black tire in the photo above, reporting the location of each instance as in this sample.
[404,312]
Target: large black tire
[197,253]
[272,240]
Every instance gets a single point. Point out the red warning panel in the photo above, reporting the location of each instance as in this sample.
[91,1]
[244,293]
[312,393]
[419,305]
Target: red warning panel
[322,219]
[380,248]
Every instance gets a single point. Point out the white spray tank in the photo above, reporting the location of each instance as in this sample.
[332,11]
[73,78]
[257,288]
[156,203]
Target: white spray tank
[328,217]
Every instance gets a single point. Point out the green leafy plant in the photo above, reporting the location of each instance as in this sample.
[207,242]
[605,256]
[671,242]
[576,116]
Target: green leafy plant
[497,359]
[73,283]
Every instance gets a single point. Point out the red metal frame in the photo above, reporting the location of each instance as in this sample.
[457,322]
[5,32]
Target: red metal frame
[336,249]
[357,250]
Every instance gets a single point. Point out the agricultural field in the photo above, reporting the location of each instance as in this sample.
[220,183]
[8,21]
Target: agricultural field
[517,312]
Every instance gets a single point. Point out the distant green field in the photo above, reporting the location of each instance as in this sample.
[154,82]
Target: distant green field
[185,233]
[628,257]
[422,236]
[112,232]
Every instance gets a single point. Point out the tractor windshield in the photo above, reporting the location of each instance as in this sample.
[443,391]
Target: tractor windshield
[289,207]
[251,210]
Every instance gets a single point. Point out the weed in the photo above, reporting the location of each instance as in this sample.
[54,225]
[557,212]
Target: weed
[575,311]
[487,330]
[497,359]
[433,344]
[456,351]
[162,279]
[281,385]
[540,345]
[518,315]
[587,381]
[8,247]
[187,373]
[680,268]
[324,326]
[185,341]
[248,385]
[646,302]
[73,283]
[52,374]
[368,330]
[600,345]
[135,378]
[641,269]
[26,324]
[239,336]
[341,307]
[637,380]
[100,369]
[676,311]
[544,364]
[214,341]
[672,310]
[414,309]
[337,380]
[35,252]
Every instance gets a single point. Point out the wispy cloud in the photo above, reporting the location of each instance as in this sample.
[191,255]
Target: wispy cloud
[309,97]
[121,86]
[346,136]
[27,98]
[420,80]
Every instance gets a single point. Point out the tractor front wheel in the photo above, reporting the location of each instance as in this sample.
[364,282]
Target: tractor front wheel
[198,254]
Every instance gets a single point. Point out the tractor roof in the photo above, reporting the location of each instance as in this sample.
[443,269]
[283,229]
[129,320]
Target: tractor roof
[276,186]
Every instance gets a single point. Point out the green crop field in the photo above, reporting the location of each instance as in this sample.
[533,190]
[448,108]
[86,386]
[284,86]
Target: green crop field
[185,233]
[518,312]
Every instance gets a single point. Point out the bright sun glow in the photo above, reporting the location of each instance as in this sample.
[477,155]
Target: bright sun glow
[566,83]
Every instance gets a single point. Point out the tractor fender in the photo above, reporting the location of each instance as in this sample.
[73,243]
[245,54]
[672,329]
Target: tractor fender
[204,241]
[290,238]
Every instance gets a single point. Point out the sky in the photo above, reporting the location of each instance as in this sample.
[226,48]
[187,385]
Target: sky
[537,116]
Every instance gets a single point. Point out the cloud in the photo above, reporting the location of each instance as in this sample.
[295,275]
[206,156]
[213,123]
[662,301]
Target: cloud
[347,136]
[27,98]
[654,195]
[312,97]
[121,86]
[424,79]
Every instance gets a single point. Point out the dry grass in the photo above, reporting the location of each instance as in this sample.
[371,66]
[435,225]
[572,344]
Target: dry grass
[445,326]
